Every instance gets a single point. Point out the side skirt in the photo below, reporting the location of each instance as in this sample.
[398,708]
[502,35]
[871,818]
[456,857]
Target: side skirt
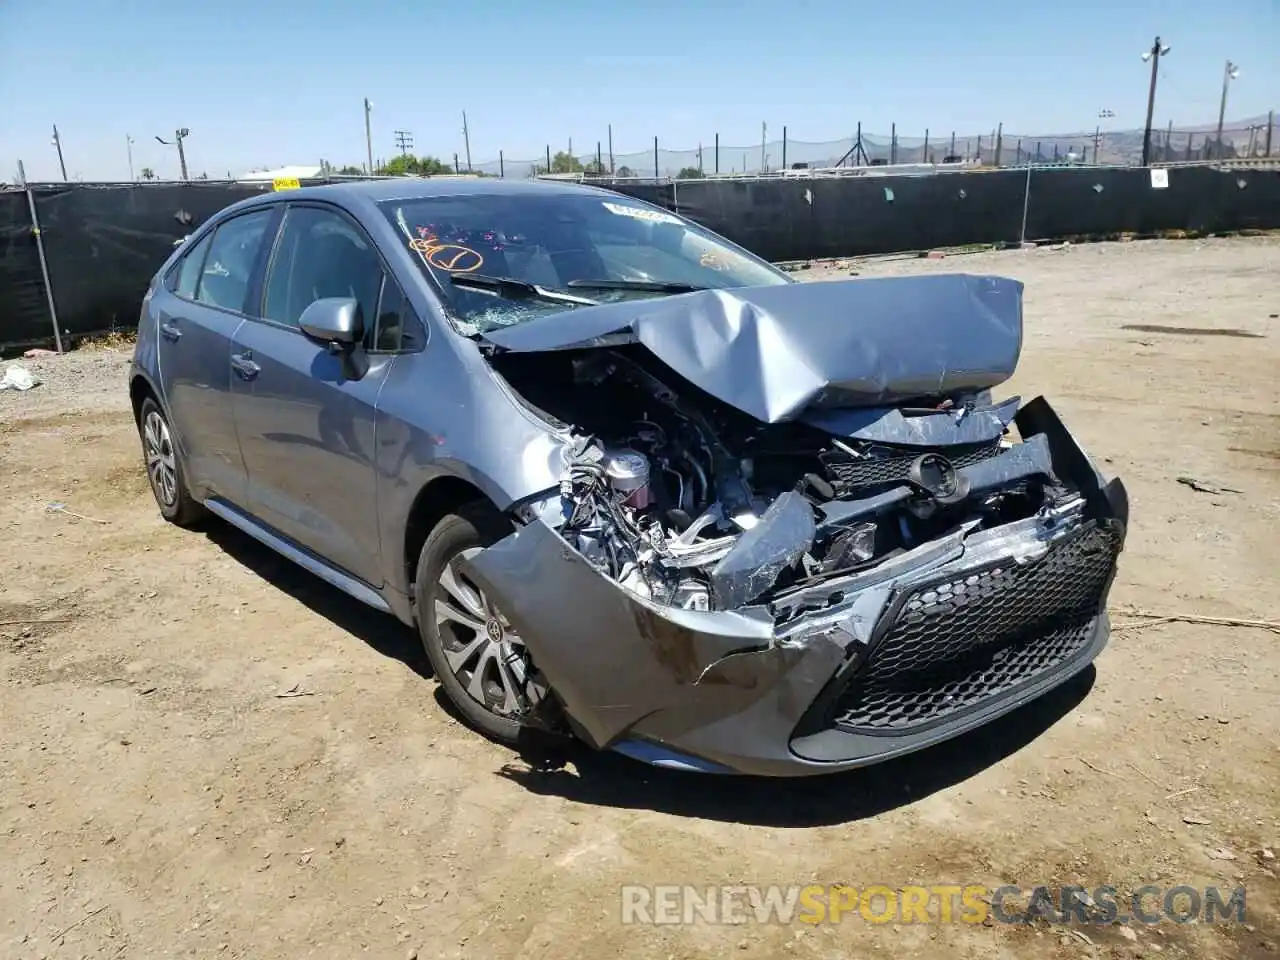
[308,561]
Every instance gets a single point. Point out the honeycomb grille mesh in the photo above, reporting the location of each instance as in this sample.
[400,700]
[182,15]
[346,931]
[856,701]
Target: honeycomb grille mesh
[958,642]
[875,471]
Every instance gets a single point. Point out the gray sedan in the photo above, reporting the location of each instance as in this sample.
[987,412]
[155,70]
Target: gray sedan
[627,481]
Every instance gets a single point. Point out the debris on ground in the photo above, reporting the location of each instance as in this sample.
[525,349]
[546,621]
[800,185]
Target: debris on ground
[18,377]
[1201,487]
[56,507]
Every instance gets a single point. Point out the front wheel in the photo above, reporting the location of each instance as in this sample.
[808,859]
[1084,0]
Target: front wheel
[478,658]
[164,468]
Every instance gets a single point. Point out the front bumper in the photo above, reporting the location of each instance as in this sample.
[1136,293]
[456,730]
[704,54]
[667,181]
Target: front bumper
[933,643]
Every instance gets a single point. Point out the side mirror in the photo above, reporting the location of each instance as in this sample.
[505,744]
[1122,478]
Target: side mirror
[333,320]
[337,323]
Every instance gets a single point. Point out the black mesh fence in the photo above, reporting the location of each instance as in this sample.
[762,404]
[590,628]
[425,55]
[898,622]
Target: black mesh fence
[103,243]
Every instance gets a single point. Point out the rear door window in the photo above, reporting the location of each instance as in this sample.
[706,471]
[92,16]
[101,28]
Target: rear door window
[233,252]
[189,269]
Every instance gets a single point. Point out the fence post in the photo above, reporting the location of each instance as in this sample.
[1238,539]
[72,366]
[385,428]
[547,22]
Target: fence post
[548,158]
[456,166]
[717,153]
[655,158]
[502,169]
[999,141]
[784,148]
[1019,153]
[1026,202]
[924,152]
[44,264]
[893,143]
[599,160]
[611,169]
[953,144]
[1190,137]
[1271,119]
[978,155]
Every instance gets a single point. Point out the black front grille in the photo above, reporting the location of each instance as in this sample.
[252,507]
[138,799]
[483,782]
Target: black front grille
[956,642]
[893,468]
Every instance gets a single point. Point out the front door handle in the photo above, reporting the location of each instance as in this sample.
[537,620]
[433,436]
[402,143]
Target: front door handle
[169,330]
[243,364]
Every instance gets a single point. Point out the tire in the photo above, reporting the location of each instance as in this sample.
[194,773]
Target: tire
[165,472]
[471,527]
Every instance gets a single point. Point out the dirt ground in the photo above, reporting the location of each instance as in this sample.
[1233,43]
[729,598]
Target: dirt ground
[159,797]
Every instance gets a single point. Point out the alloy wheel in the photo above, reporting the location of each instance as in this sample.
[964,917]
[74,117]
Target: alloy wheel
[162,468]
[482,649]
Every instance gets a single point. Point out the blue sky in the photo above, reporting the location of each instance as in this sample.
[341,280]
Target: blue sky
[263,84]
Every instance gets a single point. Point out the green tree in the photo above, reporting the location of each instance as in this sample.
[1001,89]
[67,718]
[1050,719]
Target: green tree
[408,164]
[595,168]
[563,162]
[689,173]
[148,173]
[350,171]
[624,171]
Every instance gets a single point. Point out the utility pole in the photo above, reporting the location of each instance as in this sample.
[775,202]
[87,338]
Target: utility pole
[466,139]
[57,142]
[1157,51]
[368,135]
[404,140]
[178,136]
[611,149]
[1103,114]
[128,145]
[1228,74]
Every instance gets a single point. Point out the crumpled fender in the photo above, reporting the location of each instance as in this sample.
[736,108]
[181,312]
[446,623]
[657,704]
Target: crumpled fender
[615,658]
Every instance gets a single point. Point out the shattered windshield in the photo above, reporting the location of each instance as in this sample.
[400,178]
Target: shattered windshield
[595,247]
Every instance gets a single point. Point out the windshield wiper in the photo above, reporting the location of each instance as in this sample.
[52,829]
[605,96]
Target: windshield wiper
[511,288]
[654,286]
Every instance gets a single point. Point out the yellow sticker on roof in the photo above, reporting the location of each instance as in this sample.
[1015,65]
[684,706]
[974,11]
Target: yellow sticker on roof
[285,183]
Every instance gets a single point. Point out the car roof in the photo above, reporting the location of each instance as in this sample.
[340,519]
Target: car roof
[414,188]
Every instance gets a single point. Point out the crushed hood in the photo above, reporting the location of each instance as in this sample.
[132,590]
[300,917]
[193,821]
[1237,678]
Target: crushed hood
[774,352]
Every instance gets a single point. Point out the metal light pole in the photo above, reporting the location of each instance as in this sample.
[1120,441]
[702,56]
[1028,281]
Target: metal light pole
[1097,132]
[128,145]
[1228,74]
[57,142]
[466,139]
[179,135]
[1157,51]
[368,136]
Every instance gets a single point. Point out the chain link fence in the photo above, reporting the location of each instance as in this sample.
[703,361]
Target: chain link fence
[994,148]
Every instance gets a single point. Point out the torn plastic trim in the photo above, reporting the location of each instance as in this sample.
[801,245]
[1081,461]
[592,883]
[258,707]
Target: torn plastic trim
[781,537]
[937,428]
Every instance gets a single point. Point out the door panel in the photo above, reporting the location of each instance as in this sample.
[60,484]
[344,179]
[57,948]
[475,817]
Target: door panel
[197,315]
[308,439]
[194,348]
[307,432]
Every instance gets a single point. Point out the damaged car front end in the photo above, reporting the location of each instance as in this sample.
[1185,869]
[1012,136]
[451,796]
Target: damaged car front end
[794,533]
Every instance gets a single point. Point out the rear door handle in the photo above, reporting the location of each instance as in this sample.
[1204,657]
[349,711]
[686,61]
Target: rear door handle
[169,330]
[243,364]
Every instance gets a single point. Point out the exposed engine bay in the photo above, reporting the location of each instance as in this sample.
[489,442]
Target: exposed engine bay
[692,503]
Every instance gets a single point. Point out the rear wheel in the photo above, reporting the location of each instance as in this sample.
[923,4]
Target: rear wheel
[478,658]
[164,467]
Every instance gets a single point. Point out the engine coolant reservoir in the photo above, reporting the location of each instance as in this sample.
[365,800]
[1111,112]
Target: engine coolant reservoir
[628,473]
